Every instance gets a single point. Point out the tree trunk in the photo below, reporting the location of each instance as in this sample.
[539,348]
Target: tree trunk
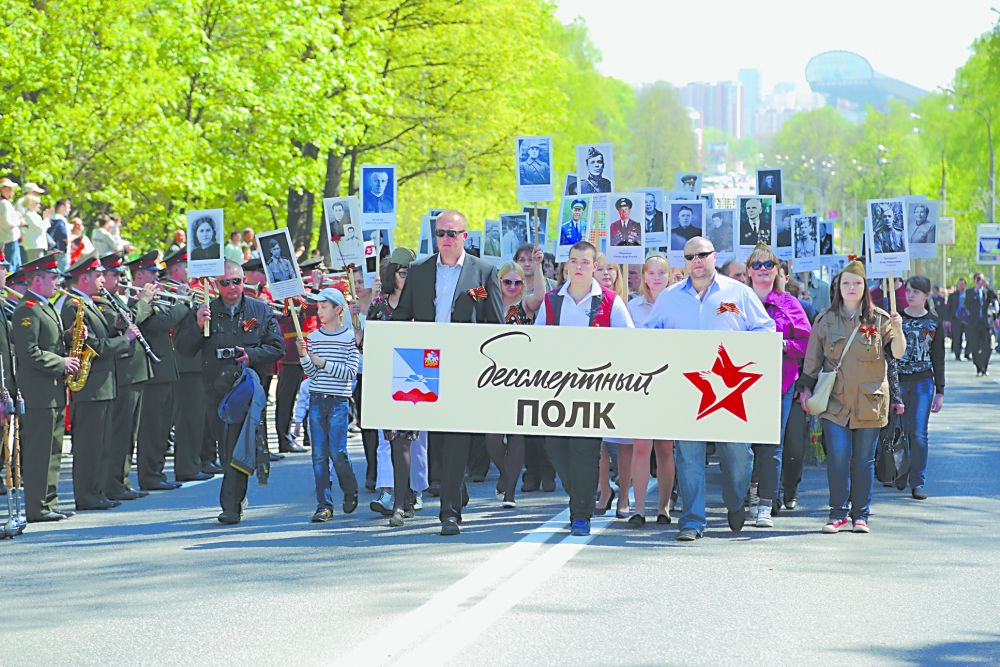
[331,188]
[300,207]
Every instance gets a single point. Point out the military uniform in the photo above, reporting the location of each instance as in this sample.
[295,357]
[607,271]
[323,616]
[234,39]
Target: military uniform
[91,407]
[39,347]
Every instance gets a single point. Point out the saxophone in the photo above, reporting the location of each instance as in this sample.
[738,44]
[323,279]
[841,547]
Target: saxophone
[78,348]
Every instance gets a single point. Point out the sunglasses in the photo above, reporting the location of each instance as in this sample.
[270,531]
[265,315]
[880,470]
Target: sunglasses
[757,266]
[450,233]
[226,282]
[512,283]
[698,255]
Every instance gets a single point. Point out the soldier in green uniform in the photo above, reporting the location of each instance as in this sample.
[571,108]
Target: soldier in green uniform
[133,370]
[158,399]
[91,407]
[42,365]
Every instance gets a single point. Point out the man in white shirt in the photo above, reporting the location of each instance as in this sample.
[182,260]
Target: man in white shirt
[10,224]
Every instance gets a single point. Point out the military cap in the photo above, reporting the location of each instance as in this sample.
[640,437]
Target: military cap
[623,201]
[581,203]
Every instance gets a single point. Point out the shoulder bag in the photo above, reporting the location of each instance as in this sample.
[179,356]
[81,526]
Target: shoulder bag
[824,382]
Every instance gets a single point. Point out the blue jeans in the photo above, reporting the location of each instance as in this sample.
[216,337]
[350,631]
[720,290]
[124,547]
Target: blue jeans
[328,416]
[12,253]
[736,462]
[917,397]
[767,458]
[850,469]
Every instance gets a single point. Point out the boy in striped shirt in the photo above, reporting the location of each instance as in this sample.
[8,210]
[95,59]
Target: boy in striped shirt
[330,361]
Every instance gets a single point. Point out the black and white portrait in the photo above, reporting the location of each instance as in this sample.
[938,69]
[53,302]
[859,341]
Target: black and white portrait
[283,277]
[686,222]
[491,239]
[756,219]
[378,196]
[826,238]
[340,213]
[514,234]
[688,182]
[594,169]
[922,217]
[784,215]
[886,236]
[474,243]
[769,183]
[719,229]
[204,246]
[534,168]
[538,218]
[805,242]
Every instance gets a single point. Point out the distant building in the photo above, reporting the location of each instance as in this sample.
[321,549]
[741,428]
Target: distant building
[720,104]
[752,99]
[850,83]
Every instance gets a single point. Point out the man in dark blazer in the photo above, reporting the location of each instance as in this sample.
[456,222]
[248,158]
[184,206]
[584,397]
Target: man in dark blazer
[957,317]
[451,286]
[982,304]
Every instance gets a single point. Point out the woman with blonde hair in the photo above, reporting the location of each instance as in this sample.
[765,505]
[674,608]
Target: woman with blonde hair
[656,276]
[509,457]
[765,277]
[613,277]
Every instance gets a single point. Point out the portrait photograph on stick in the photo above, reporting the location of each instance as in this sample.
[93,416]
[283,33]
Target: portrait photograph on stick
[769,183]
[283,277]
[922,215]
[756,220]
[340,212]
[626,235]
[378,196]
[533,156]
[689,182]
[784,215]
[491,241]
[514,234]
[720,230]
[538,218]
[205,231]
[886,234]
[653,217]
[595,171]
[806,242]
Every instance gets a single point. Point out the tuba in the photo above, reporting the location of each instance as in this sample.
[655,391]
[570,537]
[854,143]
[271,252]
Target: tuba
[78,348]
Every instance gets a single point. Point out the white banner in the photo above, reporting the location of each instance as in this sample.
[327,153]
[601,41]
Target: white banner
[633,383]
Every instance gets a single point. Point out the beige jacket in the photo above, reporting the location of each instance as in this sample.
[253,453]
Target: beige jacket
[860,396]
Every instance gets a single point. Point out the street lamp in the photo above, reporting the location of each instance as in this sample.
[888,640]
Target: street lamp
[940,140]
[987,117]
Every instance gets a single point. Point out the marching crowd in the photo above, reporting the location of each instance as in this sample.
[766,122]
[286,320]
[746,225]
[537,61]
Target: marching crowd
[156,364]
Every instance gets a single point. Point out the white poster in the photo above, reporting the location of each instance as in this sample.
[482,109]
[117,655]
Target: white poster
[595,171]
[533,157]
[575,215]
[626,235]
[513,234]
[806,245]
[538,222]
[654,216]
[922,218]
[378,196]
[756,219]
[204,237]
[283,277]
[945,234]
[687,220]
[783,215]
[887,234]
[491,241]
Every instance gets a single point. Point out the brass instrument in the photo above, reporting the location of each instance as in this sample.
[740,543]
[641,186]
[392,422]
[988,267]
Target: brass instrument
[122,311]
[78,348]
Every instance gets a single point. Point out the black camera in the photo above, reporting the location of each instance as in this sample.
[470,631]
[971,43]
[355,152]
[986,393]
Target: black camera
[226,353]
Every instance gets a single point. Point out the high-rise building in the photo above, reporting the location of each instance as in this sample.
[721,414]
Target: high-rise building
[720,104]
[752,94]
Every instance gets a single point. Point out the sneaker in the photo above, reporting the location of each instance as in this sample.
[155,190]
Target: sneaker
[418,501]
[763,519]
[580,528]
[322,515]
[861,526]
[835,525]
[499,494]
[918,493]
[752,499]
[383,504]
[508,504]
[396,520]
[688,535]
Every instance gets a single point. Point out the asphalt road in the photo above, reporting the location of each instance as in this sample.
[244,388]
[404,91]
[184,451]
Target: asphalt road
[160,581]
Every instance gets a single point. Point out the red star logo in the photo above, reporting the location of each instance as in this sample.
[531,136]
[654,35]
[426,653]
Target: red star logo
[723,386]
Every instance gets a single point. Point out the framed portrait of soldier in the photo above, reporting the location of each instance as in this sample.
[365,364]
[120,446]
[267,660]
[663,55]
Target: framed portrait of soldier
[348,248]
[769,183]
[653,216]
[887,235]
[378,196]
[805,245]
[569,186]
[474,243]
[689,182]
[783,231]
[538,219]
[573,224]
[922,216]
[595,171]
[720,229]
[756,220]
[626,238]
[204,240]
[340,213]
[491,241]
[513,234]
[283,277]
[686,219]
[826,238]
[533,156]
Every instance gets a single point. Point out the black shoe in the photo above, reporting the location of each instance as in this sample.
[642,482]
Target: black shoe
[322,515]
[478,477]
[350,502]
[274,457]
[465,495]
[229,518]
[197,477]
[127,494]
[292,448]
[163,486]
[114,503]
[434,489]
[548,485]
[601,511]
[47,516]
[99,505]
[918,493]
[791,503]
[369,485]
[66,513]
[737,519]
[529,484]
[664,519]
[450,527]
[637,521]
[212,469]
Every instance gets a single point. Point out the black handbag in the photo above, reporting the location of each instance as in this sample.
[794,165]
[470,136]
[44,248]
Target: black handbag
[892,454]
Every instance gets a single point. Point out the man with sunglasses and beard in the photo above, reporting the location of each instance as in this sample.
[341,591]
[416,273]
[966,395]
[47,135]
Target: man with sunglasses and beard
[243,331]
[450,286]
[708,301]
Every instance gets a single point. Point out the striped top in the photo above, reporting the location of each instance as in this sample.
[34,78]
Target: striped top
[340,353]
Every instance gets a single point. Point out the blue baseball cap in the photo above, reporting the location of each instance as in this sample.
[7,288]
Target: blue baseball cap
[334,296]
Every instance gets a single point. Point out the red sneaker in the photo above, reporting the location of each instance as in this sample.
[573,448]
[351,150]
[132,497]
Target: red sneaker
[861,526]
[835,525]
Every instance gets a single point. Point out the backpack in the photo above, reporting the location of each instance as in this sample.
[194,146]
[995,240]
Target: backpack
[600,307]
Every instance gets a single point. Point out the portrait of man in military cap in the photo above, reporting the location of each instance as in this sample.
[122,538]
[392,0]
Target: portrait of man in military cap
[625,231]
[574,229]
[594,169]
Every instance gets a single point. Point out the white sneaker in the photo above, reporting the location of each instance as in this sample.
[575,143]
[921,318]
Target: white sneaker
[418,504]
[764,519]
[508,504]
[383,504]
